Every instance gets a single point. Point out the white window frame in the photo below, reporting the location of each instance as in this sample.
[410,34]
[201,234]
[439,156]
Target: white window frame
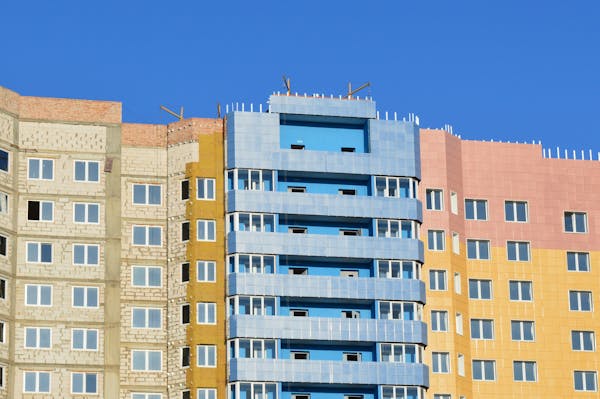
[438,316]
[514,204]
[573,216]
[479,291]
[434,285]
[578,266]
[3,331]
[457,283]
[40,168]
[390,263]
[417,310]
[399,224]
[455,243]
[146,194]
[480,330]
[37,338]
[438,361]
[580,302]
[86,166]
[522,326]
[147,229]
[432,244]
[478,245]
[458,321]
[86,340]
[146,272]
[453,202]
[580,334]
[37,381]
[206,236]
[210,309]
[235,218]
[460,364]
[262,173]
[519,255]
[86,296]
[520,285]
[146,312]
[86,250]
[206,349]
[474,203]
[205,266]
[146,395]
[585,374]
[210,195]
[4,203]
[481,363]
[146,353]
[412,187]
[39,252]
[206,393]
[522,364]
[436,201]
[7,160]
[41,211]
[86,214]
[84,385]
[39,294]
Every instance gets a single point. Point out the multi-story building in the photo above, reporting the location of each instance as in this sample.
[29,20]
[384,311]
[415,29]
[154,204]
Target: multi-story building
[276,255]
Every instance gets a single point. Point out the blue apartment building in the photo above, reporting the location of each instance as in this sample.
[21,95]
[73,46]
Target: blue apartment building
[324,259]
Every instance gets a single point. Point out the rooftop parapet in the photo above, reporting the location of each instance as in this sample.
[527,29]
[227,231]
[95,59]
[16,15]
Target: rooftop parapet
[322,106]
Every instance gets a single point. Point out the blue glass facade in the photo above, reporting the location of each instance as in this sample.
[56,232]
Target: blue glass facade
[324,291]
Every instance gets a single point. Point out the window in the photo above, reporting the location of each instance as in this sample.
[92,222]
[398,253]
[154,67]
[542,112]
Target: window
[2,333]
[350,314]
[515,211]
[85,297]
[402,392]
[38,295]
[455,243]
[461,364]
[524,371]
[440,362]
[297,146]
[185,313]
[478,249]
[439,320]
[459,323]
[3,202]
[580,301]
[586,381]
[352,356]
[41,169]
[346,191]
[575,222]
[396,228]
[206,271]
[522,330]
[296,189]
[146,396]
[257,306]
[442,396]
[300,396]
[482,329]
[146,276]
[86,254]
[185,231]
[484,370]
[520,290]
[206,313]
[299,312]
[185,272]
[38,338]
[348,149]
[36,382]
[480,289]
[185,190]
[578,261]
[86,213]
[453,203]
[147,194]
[257,222]
[350,232]
[87,171]
[40,210]
[39,252]
[434,199]
[435,240]
[401,353]
[3,160]
[206,393]
[206,355]
[297,230]
[2,245]
[205,189]
[147,235]
[84,339]
[2,288]
[250,179]
[298,271]
[82,383]
[475,209]
[146,318]
[185,356]
[206,230]
[583,341]
[186,395]
[517,251]
[296,355]
[399,187]
[457,283]
[146,360]
[437,280]
[398,269]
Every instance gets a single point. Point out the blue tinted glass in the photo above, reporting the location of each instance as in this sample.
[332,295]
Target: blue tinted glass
[139,194]
[3,160]
[139,235]
[154,274]
[79,210]
[46,253]
[92,339]
[154,236]
[77,382]
[45,338]
[154,195]
[93,211]
[44,382]
[93,254]
[469,209]
[34,168]
[508,211]
[47,169]
[78,293]
[79,171]
[93,172]
[522,211]
[46,295]
[92,297]
[30,337]
[30,379]
[512,250]
[32,252]
[154,318]
[77,339]
[90,383]
[47,210]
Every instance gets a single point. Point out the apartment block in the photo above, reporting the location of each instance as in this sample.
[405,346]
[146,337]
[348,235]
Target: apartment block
[310,250]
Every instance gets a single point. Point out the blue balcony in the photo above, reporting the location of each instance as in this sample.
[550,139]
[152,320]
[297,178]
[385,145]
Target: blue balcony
[324,205]
[326,287]
[328,372]
[327,329]
[324,245]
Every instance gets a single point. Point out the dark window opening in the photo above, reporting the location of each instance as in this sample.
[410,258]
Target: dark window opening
[298,271]
[300,355]
[348,149]
[185,231]
[350,314]
[298,230]
[185,356]
[296,189]
[299,312]
[185,189]
[352,357]
[346,191]
[297,146]
[185,272]
[349,232]
[185,314]
[33,210]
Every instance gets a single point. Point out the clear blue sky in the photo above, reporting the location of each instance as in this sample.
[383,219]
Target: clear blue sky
[510,70]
